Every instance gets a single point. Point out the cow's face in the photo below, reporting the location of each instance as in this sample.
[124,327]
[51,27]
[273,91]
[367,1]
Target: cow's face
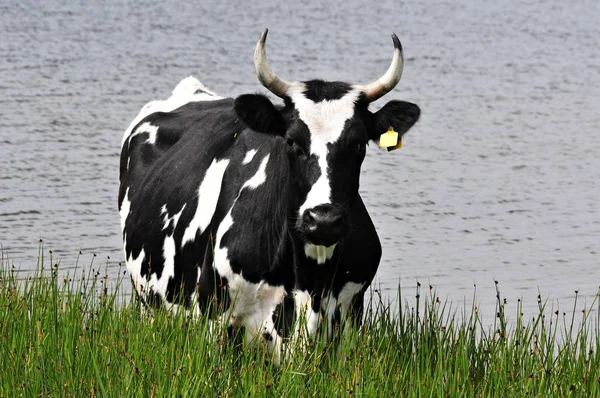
[325,127]
[326,139]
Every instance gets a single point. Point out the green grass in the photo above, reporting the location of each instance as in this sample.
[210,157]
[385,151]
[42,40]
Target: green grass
[62,337]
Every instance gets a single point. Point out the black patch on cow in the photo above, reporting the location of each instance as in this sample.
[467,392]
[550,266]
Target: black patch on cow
[283,316]
[236,335]
[259,113]
[267,336]
[152,299]
[345,158]
[355,314]
[146,268]
[319,90]
[212,289]
[298,137]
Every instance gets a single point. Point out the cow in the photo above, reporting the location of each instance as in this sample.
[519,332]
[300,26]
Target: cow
[249,212]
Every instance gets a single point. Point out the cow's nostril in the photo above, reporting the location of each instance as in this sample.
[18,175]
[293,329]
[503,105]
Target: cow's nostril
[309,217]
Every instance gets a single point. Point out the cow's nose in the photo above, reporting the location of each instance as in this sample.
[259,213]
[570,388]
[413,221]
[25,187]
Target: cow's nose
[324,224]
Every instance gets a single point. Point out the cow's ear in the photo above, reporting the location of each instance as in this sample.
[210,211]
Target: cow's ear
[259,113]
[400,115]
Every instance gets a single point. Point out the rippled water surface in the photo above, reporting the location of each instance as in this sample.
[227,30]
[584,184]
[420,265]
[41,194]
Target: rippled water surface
[498,181]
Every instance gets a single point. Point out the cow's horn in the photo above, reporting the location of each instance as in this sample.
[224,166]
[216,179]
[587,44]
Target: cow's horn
[390,79]
[263,71]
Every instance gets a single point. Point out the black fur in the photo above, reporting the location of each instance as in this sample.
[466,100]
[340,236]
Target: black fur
[319,90]
[259,113]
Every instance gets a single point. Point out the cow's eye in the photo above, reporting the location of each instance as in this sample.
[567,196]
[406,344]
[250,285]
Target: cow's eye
[361,146]
[290,142]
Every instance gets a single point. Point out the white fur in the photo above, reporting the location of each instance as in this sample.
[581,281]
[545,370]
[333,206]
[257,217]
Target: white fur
[325,121]
[249,156]
[307,320]
[320,192]
[124,212]
[173,219]
[182,94]
[259,177]
[208,195]
[157,285]
[346,296]
[134,266]
[149,128]
[318,252]
[154,284]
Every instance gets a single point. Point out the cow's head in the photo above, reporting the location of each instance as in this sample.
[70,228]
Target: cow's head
[325,127]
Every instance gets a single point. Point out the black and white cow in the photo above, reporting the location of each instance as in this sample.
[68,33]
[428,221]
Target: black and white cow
[255,206]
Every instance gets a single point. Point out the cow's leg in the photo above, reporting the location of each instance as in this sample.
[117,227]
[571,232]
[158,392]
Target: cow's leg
[358,263]
[350,300]
[340,309]
[265,333]
[308,318]
[252,307]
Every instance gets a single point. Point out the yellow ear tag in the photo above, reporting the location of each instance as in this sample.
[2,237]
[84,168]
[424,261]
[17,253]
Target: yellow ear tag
[390,140]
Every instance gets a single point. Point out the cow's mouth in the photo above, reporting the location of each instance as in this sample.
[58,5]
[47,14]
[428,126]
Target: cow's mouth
[319,253]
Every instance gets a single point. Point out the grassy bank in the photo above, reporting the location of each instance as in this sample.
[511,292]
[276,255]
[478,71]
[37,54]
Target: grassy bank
[64,337]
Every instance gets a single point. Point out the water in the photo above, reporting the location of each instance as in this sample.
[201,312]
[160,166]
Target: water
[498,181]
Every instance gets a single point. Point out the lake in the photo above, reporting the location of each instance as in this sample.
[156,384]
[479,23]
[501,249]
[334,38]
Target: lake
[498,180]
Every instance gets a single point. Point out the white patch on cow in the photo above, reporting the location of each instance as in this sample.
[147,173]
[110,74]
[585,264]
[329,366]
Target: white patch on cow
[307,320]
[172,219]
[249,156]
[124,212]
[318,252]
[195,310]
[325,121]
[184,93]
[134,266]
[157,285]
[166,218]
[176,216]
[342,301]
[259,177]
[346,295]
[148,128]
[208,195]
[320,192]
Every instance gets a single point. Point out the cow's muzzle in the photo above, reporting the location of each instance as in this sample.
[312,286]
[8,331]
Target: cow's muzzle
[324,224]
